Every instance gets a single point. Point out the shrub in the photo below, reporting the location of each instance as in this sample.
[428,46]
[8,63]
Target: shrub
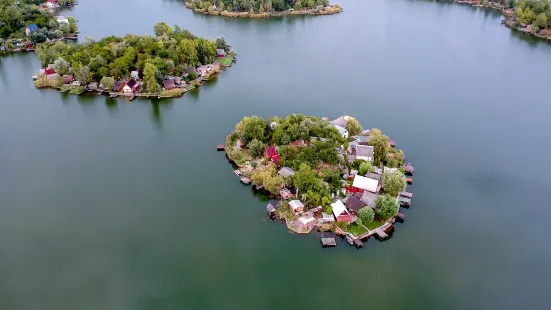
[386,207]
[366,214]
[256,148]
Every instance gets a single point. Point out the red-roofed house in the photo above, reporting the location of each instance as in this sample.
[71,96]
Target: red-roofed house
[49,71]
[271,151]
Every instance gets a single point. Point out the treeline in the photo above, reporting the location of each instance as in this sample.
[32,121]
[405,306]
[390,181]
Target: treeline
[256,6]
[534,12]
[170,51]
[14,19]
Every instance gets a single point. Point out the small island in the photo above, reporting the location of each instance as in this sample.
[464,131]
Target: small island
[333,175]
[262,8]
[166,65]
[25,23]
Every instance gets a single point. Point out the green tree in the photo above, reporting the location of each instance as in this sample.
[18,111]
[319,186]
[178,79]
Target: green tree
[206,51]
[107,82]
[61,66]
[256,148]
[393,182]
[365,167]
[162,28]
[353,126]
[83,74]
[380,147]
[541,20]
[386,207]
[72,25]
[149,76]
[298,5]
[255,128]
[305,178]
[366,214]
[268,177]
[222,44]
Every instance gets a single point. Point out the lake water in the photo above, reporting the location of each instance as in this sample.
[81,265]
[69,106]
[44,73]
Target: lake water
[106,204]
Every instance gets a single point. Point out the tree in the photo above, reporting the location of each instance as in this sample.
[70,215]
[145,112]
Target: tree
[278,5]
[162,28]
[365,167]
[255,128]
[386,207]
[380,147]
[206,51]
[268,177]
[61,66]
[149,76]
[375,132]
[222,44]
[107,82]
[353,126]
[298,5]
[52,24]
[366,214]
[541,20]
[393,182]
[83,74]
[256,148]
[484,2]
[305,178]
[72,25]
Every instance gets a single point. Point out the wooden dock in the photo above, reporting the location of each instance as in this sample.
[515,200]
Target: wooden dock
[328,242]
[220,147]
[358,243]
[381,233]
[245,180]
[409,180]
[237,173]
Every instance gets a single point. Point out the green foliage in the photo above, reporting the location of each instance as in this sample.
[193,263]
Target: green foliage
[380,147]
[366,214]
[353,126]
[536,12]
[541,20]
[238,156]
[268,177]
[256,148]
[255,128]
[393,182]
[149,75]
[61,66]
[386,206]
[162,28]
[107,82]
[365,167]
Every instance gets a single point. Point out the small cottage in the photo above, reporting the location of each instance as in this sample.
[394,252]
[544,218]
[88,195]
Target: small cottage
[62,20]
[340,212]
[220,53]
[31,28]
[169,84]
[354,204]
[366,184]
[364,152]
[296,206]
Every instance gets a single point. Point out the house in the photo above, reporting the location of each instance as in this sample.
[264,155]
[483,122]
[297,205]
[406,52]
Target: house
[369,199]
[93,86]
[68,79]
[364,152]
[341,122]
[49,71]
[220,53]
[62,20]
[130,87]
[305,220]
[373,176]
[326,218]
[31,28]
[286,193]
[296,206]
[340,212]
[342,131]
[52,76]
[354,203]
[286,172]
[366,184]
[169,84]
[119,86]
[51,4]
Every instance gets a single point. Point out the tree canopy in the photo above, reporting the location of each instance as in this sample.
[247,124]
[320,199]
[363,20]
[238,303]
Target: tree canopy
[353,126]
[386,206]
[256,6]
[534,12]
[380,147]
[393,182]
[366,214]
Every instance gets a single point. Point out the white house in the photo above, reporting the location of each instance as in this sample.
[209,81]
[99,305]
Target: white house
[51,4]
[367,184]
[342,131]
[364,152]
[62,20]
[127,89]
[340,212]
[296,206]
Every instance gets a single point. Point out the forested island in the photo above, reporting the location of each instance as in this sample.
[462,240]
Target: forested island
[263,8]
[24,23]
[332,175]
[165,65]
[528,16]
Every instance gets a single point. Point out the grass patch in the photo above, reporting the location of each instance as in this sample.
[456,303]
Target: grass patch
[225,61]
[285,212]
[376,223]
[176,92]
[356,229]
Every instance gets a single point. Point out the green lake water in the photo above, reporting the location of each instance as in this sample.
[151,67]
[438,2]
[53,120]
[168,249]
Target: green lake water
[106,204]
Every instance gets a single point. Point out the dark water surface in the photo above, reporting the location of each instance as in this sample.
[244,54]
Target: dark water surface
[111,205]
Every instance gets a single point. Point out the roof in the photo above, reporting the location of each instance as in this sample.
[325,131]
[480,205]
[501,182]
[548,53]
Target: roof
[169,84]
[338,208]
[271,151]
[49,71]
[274,203]
[306,219]
[365,183]
[341,129]
[341,121]
[369,198]
[388,169]
[374,176]
[354,203]
[220,51]
[118,85]
[131,83]
[362,139]
[32,27]
[296,204]
[286,172]
[364,151]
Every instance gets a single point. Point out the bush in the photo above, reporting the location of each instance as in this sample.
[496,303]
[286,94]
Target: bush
[238,156]
[386,207]
[256,148]
[365,167]
[393,183]
[367,215]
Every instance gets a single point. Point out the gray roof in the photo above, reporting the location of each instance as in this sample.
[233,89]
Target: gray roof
[364,150]
[369,198]
[339,122]
[286,172]
[373,176]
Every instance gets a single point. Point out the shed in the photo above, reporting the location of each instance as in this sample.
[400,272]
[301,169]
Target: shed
[286,172]
[373,176]
[220,53]
[364,183]
[404,201]
[273,204]
[296,206]
[68,79]
[406,194]
[364,152]
[340,212]
[354,203]
[369,198]
[169,84]
[305,220]
[327,218]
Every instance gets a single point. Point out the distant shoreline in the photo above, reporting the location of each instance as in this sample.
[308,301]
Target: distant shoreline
[328,10]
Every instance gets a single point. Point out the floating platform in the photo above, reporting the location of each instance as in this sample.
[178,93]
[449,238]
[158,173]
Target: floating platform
[381,234]
[245,181]
[237,173]
[358,243]
[328,242]
[220,147]
[409,180]
[113,95]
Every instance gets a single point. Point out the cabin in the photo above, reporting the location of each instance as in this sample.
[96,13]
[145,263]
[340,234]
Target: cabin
[354,204]
[169,84]
[369,199]
[129,87]
[342,131]
[307,219]
[286,172]
[296,206]
[366,184]
[68,79]
[364,152]
[374,176]
[326,218]
[340,121]
[286,193]
[220,53]
[340,212]
[119,86]
[30,29]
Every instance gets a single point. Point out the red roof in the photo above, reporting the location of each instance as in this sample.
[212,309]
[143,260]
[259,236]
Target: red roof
[49,71]
[52,1]
[271,151]
[275,159]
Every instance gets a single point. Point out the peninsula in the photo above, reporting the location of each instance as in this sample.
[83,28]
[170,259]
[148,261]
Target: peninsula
[262,8]
[165,65]
[25,23]
[332,175]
